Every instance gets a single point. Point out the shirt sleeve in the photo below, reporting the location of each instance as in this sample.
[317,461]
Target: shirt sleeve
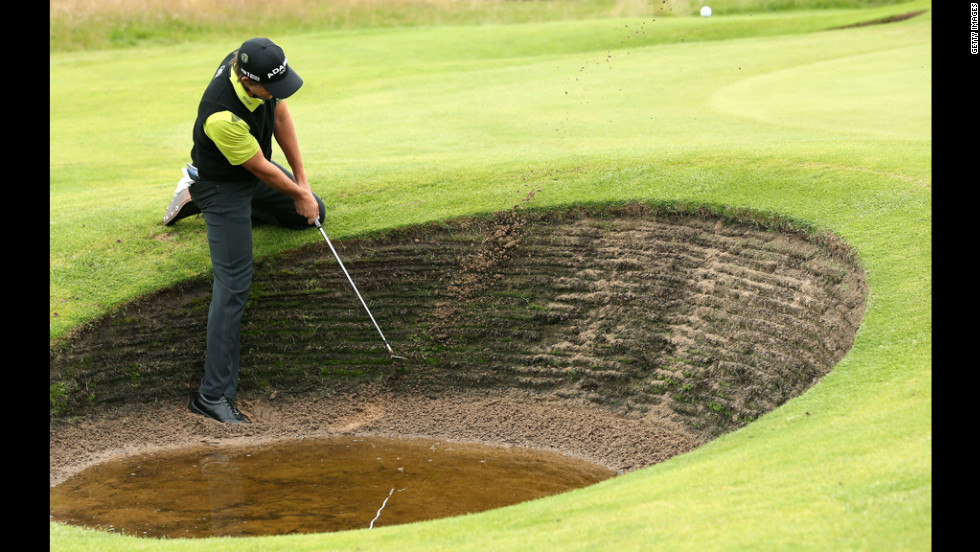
[232,137]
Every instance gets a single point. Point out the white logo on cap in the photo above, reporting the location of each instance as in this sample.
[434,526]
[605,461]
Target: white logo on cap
[278,70]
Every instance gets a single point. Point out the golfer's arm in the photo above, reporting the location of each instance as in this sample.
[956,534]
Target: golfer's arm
[265,171]
[285,133]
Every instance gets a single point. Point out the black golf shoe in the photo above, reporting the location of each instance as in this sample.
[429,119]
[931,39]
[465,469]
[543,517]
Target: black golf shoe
[223,410]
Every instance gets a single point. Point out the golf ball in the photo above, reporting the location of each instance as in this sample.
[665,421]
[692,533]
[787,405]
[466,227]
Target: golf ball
[706,11]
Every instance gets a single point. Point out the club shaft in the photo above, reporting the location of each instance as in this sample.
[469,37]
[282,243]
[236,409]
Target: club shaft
[349,279]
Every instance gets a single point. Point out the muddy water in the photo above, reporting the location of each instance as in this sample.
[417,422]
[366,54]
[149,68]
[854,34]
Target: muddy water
[309,486]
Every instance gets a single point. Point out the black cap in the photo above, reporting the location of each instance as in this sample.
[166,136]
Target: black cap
[265,63]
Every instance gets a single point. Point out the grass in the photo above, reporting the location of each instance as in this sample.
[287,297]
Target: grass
[86,24]
[81,24]
[406,122]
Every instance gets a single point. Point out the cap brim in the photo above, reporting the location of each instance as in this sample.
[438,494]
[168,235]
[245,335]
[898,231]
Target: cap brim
[286,86]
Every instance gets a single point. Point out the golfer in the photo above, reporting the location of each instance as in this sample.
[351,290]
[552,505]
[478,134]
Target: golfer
[232,182]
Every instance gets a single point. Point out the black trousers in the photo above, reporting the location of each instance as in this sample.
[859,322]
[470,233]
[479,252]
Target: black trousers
[229,209]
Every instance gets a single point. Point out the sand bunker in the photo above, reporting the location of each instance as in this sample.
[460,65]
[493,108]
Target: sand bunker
[622,335]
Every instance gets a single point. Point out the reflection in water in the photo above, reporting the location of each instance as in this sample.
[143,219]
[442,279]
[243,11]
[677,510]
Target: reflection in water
[309,486]
[225,494]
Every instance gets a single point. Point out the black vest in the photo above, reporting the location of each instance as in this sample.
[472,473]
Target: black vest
[220,96]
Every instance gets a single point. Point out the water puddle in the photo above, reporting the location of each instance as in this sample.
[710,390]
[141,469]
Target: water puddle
[309,486]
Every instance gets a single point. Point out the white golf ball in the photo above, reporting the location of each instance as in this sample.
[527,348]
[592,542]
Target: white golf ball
[706,11]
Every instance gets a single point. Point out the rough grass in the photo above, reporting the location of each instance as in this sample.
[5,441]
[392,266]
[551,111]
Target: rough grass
[87,24]
[80,24]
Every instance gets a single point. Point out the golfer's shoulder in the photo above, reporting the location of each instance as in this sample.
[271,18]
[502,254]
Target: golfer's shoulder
[225,123]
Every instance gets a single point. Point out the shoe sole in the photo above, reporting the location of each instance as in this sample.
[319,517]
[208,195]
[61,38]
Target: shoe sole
[180,206]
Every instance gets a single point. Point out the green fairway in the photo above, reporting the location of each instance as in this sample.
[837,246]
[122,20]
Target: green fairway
[781,112]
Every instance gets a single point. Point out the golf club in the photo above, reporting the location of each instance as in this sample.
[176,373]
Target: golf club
[341,263]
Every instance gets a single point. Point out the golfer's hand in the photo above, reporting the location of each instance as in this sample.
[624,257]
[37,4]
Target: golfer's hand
[306,206]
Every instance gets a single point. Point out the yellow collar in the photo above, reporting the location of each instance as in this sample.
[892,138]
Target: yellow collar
[249,102]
